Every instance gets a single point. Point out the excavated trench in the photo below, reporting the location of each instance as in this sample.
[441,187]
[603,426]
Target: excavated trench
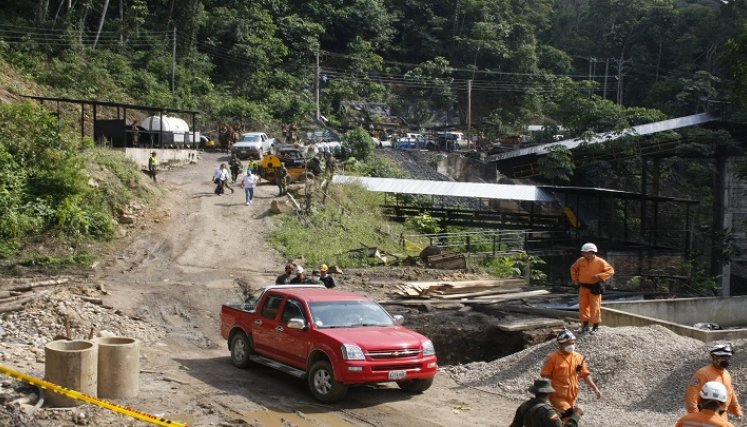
[466,335]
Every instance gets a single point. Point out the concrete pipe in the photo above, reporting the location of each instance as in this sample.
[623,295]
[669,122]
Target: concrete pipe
[119,367]
[70,364]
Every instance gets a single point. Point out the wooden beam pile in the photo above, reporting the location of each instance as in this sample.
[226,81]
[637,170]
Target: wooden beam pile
[474,291]
[15,293]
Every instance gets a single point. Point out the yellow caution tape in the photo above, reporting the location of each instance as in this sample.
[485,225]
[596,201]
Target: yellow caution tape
[73,394]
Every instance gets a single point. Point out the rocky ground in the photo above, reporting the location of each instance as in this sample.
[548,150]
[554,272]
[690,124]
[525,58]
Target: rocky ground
[163,284]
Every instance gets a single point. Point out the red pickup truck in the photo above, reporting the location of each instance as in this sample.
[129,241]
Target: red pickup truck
[331,338]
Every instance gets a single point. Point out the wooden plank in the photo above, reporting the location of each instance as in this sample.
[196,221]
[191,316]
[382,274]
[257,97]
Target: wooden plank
[466,283]
[531,323]
[481,293]
[558,314]
[514,295]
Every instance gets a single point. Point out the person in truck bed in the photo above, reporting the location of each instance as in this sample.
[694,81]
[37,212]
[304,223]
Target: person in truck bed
[286,277]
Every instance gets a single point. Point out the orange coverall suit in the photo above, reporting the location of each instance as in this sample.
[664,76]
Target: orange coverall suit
[712,373]
[585,272]
[704,418]
[564,370]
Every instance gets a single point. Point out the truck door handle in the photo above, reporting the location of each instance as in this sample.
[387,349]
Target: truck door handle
[279,328]
[258,322]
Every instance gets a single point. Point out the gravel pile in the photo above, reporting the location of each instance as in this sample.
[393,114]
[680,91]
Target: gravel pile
[59,312]
[418,163]
[642,372]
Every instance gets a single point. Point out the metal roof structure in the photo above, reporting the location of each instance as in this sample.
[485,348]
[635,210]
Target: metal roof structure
[532,193]
[646,129]
[449,188]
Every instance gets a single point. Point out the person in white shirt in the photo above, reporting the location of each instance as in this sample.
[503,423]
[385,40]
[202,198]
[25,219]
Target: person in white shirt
[249,182]
[220,177]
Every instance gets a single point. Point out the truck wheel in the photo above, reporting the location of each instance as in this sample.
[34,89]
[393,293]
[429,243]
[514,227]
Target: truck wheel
[323,385]
[415,386]
[241,349]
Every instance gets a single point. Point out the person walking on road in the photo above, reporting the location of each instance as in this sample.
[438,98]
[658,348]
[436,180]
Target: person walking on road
[538,412]
[281,179]
[235,166]
[589,273]
[563,368]
[220,177]
[715,371]
[249,182]
[153,166]
[713,395]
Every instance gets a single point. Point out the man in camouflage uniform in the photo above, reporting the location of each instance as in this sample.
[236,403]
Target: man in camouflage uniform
[281,179]
[330,164]
[538,412]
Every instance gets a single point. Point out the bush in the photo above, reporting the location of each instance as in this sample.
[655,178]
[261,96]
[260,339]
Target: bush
[358,143]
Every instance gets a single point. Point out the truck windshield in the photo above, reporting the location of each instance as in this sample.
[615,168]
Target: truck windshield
[348,314]
[249,138]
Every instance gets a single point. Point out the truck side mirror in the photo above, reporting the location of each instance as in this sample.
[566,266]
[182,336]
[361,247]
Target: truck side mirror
[398,319]
[296,323]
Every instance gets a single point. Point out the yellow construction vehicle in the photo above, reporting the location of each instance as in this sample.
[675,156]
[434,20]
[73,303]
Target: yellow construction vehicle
[288,154]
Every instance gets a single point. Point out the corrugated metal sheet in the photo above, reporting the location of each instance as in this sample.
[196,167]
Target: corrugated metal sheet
[647,129]
[449,188]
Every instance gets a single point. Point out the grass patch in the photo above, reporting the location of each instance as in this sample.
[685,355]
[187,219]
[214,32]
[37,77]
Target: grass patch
[350,220]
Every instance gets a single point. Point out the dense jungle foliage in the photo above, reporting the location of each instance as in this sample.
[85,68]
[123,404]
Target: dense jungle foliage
[255,61]
[586,65]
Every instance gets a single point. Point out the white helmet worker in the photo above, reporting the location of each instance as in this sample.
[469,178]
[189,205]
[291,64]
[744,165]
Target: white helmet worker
[565,337]
[299,270]
[713,390]
[722,350]
[589,247]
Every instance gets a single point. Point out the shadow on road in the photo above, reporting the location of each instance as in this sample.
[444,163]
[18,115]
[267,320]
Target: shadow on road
[273,388]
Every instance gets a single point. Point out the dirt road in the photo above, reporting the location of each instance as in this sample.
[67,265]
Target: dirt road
[184,260]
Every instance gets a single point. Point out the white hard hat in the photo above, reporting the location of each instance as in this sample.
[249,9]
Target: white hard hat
[713,390]
[722,350]
[589,247]
[565,336]
[299,270]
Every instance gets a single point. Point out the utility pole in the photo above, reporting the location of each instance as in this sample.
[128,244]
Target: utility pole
[469,112]
[316,84]
[606,74]
[591,59]
[173,64]
[620,68]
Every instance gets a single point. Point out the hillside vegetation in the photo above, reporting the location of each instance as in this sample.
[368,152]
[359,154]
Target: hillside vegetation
[589,66]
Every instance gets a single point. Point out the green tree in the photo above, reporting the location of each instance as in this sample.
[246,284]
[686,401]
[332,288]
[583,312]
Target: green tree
[358,143]
[557,164]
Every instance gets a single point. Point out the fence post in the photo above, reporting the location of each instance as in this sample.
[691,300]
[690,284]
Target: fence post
[493,245]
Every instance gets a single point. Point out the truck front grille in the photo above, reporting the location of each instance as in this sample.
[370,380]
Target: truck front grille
[394,353]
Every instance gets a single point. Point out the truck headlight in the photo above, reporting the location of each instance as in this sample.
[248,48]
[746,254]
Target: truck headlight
[428,349]
[352,352]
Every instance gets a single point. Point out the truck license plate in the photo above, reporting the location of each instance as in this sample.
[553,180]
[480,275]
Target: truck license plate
[396,375]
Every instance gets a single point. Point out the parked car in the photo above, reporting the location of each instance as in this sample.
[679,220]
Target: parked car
[252,145]
[332,339]
[410,141]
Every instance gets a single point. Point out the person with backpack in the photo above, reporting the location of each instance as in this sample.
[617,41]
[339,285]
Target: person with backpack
[538,412]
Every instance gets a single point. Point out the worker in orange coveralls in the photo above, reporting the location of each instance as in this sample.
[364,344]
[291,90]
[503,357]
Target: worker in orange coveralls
[712,395]
[715,371]
[589,272]
[563,368]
